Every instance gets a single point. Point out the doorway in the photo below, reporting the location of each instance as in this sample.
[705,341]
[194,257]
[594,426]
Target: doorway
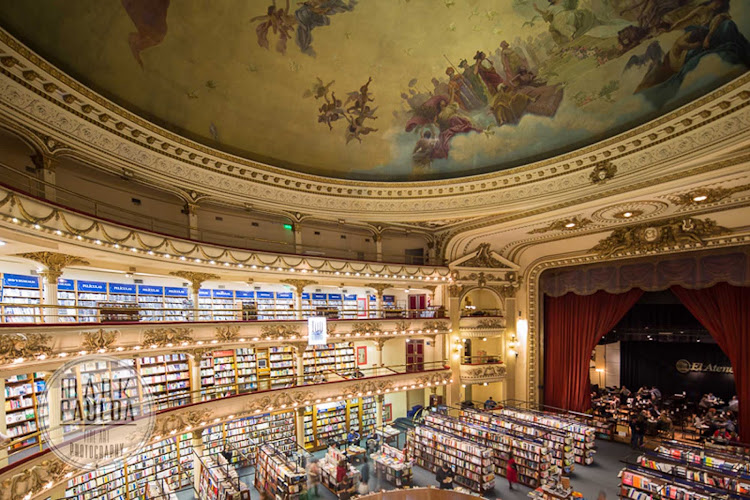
[415,355]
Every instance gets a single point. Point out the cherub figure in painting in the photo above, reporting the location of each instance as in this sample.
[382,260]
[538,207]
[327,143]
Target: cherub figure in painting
[278,21]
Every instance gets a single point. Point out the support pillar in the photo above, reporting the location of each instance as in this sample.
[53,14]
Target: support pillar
[196,280]
[45,165]
[195,375]
[299,353]
[50,295]
[299,287]
[379,289]
[299,423]
[379,343]
[192,213]
[4,438]
[453,342]
[297,238]
[378,247]
[379,417]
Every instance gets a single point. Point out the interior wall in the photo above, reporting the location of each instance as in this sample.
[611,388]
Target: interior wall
[481,299]
[397,400]
[481,393]
[606,357]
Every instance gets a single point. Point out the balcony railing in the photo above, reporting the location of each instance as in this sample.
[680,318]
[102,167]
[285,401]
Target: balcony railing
[125,313]
[471,312]
[483,359]
[29,185]
[19,448]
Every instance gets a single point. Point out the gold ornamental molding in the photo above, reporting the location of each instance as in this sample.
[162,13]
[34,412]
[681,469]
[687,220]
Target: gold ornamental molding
[99,340]
[299,285]
[196,279]
[569,224]
[281,332]
[437,326]
[650,237]
[483,374]
[34,479]
[95,128]
[22,346]
[167,337]
[367,327]
[180,421]
[227,333]
[708,195]
[54,263]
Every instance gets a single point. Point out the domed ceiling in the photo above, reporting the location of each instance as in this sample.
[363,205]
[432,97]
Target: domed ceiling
[392,89]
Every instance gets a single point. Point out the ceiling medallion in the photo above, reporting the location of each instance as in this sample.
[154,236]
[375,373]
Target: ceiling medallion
[704,196]
[625,212]
[602,172]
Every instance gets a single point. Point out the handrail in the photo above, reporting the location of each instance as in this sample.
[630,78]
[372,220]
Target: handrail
[486,359]
[135,220]
[132,312]
[240,389]
[482,313]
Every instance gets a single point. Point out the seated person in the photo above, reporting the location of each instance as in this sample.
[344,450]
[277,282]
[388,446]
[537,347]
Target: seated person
[664,424]
[490,404]
[734,404]
[722,436]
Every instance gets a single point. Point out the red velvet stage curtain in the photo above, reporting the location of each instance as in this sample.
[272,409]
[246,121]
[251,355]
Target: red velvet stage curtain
[724,310]
[573,325]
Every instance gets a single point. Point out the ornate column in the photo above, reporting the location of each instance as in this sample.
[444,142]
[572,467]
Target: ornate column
[297,237]
[378,247]
[299,352]
[453,395]
[196,280]
[379,289]
[192,212]
[299,286]
[299,423]
[379,343]
[54,264]
[45,166]
[380,399]
[195,374]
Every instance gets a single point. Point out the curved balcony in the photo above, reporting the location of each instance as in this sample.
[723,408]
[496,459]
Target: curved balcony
[482,370]
[115,228]
[34,474]
[482,326]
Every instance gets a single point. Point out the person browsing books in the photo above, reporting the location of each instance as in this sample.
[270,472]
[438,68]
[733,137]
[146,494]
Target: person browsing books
[511,471]
[444,476]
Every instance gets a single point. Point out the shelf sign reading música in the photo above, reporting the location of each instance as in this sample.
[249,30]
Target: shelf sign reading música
[317,330]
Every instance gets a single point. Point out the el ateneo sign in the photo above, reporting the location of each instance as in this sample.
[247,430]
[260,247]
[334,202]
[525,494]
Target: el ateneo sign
[684,366]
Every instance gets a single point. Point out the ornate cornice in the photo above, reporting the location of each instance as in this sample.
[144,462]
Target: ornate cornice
[94,128]
[281,331]
[569,224]
[708,195]
[471,374]
[438,326]
[299,285]
[227,333]
[100,339]
[167,337]
[650,237]
[54,263]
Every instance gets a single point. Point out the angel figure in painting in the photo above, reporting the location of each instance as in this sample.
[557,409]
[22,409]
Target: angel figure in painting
[277,20]
[331,110]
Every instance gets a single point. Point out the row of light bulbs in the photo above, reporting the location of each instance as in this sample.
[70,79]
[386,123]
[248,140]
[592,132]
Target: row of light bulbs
[182,258]
[42,357]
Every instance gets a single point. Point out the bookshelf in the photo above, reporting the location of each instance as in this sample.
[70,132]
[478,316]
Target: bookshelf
[350,309]
[166,378]
[23,292]
[369,415]
[330,423]
[22,394]
[222,305]
[532,457]
[473,464]
[337,357]
[177,304]
[89,294]
[285,305]
[266,303]
[205,305]
[282,364]
[168,462]
[151,302]
[66,297]
[247,366]
[246,434]
[558,442]
[584,436]
[307,307]
[278,476]
[640,484]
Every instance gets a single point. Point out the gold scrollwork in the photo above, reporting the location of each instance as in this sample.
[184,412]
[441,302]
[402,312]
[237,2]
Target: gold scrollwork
[23,345]
[164,336]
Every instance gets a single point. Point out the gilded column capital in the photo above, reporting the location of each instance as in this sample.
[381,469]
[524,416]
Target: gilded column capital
[379,343]
[195,279]
[54,263]
[299,285]
[455,290]
[379,287]
[44,161]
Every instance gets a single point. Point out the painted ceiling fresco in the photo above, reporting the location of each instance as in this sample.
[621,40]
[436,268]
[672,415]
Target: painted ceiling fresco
[392,89]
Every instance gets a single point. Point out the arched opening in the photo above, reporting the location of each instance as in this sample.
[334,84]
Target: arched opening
[481,302]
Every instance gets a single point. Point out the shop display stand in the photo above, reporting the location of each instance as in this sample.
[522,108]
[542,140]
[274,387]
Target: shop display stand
[559,443]
[282,366]
[731,476]
[159,490]
[474,467]
[640,483]
[278,476]
[392,464]
[584,436]
[167,378]
[218,480]
[23,292]
[532,458]
[328,470]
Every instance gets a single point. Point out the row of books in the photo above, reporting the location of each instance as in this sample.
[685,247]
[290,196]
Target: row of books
[278,476]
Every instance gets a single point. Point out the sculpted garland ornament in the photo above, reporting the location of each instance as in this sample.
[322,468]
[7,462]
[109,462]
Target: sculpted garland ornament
[23,345]
[286,399]
[162,337]
[650,237]
[100,339]
[281,331]
[227,333]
